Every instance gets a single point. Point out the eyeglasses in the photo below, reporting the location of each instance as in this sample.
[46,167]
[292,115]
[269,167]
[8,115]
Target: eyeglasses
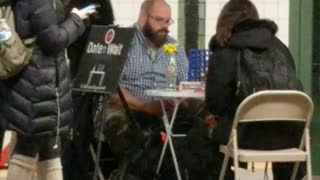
[162,20]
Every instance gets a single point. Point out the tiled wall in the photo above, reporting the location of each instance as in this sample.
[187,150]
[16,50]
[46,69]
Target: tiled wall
[277,10]
[127,11]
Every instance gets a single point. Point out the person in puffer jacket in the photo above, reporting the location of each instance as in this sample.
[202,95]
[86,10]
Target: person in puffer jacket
[37,102]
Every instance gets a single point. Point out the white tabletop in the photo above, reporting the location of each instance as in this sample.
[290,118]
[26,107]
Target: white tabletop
[174,93]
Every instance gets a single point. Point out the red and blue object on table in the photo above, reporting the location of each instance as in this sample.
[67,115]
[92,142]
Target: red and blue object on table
[198,64]
[192,86]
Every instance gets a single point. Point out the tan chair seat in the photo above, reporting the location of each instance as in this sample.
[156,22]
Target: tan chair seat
[283,155]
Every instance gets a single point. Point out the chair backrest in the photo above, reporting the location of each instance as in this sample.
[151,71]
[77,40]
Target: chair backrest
[275,105]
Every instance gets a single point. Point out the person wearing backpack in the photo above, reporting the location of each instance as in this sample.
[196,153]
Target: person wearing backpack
[248,57]
[36,103]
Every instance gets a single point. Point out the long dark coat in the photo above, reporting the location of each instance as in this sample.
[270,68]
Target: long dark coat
[221,85]
[38,100]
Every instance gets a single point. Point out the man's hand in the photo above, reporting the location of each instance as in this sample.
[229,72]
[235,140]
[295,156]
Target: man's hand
[115,102]
[153,108]
[137,104]
[81,14]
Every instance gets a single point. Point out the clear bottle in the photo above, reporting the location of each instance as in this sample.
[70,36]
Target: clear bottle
[5,33]
[172,73]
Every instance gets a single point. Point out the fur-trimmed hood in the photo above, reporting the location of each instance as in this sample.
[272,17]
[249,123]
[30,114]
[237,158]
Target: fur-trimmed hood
[256,34]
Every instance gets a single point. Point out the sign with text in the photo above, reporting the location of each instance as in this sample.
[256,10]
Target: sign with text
[104,57]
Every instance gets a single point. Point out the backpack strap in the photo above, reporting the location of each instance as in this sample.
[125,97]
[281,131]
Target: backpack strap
[54,4]
[29,42]
[238,73]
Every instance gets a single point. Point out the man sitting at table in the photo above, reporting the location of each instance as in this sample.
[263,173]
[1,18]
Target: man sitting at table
[147,63]
[145,68]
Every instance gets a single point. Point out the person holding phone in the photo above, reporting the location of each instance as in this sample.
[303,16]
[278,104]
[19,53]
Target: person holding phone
[76,159]
[103,15]
[37,102]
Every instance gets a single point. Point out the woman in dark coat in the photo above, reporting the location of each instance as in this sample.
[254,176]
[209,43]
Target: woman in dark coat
[238,28]
[37,102]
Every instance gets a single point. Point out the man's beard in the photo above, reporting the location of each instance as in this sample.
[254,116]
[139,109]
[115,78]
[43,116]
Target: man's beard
[153,36]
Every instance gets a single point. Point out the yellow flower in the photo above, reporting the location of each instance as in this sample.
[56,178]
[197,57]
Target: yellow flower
[170,49]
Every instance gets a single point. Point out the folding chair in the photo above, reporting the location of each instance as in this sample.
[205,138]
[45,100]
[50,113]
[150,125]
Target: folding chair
[271,105]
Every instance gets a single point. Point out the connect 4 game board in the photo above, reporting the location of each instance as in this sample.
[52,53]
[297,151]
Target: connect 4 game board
[198,64]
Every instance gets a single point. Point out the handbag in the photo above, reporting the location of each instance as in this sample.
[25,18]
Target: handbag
[14,53]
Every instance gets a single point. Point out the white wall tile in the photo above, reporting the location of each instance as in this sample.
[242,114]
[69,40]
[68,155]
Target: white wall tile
[127,11]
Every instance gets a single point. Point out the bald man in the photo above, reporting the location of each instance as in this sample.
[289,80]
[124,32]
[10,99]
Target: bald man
[154,20]
[145,68]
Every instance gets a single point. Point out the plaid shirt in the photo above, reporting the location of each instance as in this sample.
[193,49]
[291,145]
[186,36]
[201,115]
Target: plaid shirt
[141,72]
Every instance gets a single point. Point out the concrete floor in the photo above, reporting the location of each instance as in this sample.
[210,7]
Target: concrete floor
[244,175]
